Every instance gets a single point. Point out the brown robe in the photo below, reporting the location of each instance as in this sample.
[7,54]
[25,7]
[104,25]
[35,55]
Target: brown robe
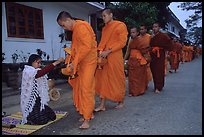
[175,56]
[137,73]
[157,65]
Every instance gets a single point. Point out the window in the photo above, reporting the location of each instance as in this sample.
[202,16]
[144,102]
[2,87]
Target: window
[173,29]
[24,21]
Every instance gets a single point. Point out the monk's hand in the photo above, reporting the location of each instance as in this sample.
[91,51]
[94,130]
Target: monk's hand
[104,54]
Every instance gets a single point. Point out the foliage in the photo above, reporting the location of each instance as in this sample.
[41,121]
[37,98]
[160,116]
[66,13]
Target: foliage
[14,57]
[40,53]
[163,13]
[23,57]
[135,13]
[194,32]
[197,16]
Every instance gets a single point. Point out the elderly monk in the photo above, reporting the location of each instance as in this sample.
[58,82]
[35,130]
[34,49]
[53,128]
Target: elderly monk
[160,43]
[84,54]
[110,81]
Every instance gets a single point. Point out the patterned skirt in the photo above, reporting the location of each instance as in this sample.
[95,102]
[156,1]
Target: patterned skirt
[37,117]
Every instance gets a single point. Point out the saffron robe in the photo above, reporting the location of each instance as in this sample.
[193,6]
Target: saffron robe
[110,81]
[157,65]
[137,75]
[84,53]
[175,55]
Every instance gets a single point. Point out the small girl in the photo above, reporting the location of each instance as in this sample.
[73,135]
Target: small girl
[34,92]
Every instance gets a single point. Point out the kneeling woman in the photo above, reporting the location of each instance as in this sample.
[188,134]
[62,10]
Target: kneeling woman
[34,92]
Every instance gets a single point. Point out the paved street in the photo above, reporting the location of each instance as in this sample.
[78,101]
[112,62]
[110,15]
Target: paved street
[175,111]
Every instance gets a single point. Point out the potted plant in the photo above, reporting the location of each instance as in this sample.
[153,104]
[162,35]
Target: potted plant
[24,59]
[14,66]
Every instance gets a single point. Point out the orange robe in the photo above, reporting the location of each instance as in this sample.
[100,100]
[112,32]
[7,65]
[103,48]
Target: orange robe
[110,81]
[84,53]
[137,76]
[146,41]
[175,56]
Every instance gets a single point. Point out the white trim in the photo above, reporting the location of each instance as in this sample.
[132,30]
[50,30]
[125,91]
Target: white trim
[4,18]
[96,4]
[25,40]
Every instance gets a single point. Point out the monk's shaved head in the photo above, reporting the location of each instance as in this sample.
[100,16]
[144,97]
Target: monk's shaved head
[134,29]
[107,10]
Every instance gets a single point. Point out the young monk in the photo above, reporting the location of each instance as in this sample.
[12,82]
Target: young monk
[160,43]
[145,46]
[34,92]
[110,81]
[84,54]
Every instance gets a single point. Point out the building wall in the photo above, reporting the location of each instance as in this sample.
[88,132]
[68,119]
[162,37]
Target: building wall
[176,29]
[52,30]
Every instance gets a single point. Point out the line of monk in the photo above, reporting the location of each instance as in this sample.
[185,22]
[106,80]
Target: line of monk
[146,61]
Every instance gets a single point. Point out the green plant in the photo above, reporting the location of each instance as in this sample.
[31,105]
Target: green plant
[23,57]
[15,57]
[40,53]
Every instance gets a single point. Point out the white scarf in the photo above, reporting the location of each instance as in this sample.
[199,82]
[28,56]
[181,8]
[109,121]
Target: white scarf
[32,87]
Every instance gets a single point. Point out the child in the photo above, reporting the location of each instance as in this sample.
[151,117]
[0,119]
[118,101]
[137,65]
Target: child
[34,92]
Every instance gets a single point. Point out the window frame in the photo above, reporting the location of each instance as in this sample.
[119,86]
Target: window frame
[26,26]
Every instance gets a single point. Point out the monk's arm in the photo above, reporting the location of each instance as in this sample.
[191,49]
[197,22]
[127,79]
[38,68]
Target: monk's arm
[101,45]
[127,51]
[122,38]
[168,42]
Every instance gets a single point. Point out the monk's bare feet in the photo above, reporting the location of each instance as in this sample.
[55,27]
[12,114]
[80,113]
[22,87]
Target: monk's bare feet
[120,105]
[100,109]
[130,95]
[157,91]
[82,119]
[85,125]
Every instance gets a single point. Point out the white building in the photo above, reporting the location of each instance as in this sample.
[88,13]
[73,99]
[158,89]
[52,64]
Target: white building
[173,27]
[27,26]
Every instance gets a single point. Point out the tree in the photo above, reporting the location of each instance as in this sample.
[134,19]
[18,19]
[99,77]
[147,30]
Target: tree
[135,13]
[194,32]
[163,12]
[195,35]
[196,17]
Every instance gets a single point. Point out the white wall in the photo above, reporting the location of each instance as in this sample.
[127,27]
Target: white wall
[51,31]
[176,30]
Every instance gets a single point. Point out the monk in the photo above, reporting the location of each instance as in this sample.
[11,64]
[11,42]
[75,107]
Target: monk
[175,55]
[110,81]
[137,65]
[145,43]
[84,63]
[160,42]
